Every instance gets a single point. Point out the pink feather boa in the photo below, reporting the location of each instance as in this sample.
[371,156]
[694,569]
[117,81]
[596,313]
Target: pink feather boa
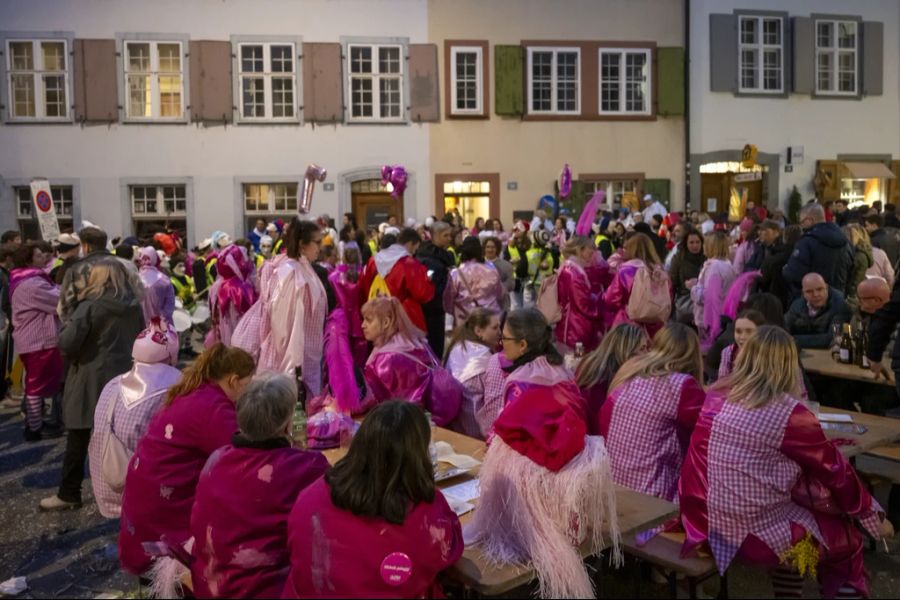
[738,293]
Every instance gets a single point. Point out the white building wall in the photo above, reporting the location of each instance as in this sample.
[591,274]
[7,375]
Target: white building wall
[101,157]
[824,127]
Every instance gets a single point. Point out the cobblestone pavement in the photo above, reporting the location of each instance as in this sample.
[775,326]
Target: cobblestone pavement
[73,554]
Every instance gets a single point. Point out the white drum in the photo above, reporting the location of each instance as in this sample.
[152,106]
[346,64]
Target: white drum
[201,313]
[178,302]
[182,320]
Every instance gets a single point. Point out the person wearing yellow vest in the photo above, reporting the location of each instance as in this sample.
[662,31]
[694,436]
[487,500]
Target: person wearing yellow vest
[605,245]
[184,286]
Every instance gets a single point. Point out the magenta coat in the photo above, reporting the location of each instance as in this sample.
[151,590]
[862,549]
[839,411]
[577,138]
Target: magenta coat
[408,370]
[163,473]
[473,285]
[335,554]
[582,315]
[348,298]
[617,295]
[239,521]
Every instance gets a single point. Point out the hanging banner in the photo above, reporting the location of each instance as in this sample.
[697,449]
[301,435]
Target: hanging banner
[745,177]
[44,209]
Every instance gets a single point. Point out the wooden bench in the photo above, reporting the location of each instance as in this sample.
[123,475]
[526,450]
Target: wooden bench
[663,553]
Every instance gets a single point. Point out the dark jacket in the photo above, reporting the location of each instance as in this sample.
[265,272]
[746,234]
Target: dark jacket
[881,328]
[684,266]
[441,262]
[772,280]
[74,281]
[862,262]
[97,344]
[823,249]
[323,273]
[888,239]
[815,332]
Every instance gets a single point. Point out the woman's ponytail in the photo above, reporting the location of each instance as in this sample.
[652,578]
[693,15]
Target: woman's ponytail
[214,363]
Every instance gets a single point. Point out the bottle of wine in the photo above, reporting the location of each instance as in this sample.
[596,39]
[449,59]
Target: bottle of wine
[862,344]
[846,348]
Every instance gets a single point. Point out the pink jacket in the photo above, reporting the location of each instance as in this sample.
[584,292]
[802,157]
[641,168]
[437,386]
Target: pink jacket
[473,285]
[882,267]
[708,295]
[163,473]
[647,424]
[239,520]
[335,554]
[581,309]
[34,298]
[347,294]
[619,292]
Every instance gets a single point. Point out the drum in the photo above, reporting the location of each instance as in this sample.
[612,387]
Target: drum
[178,302]
[201,313]
[182,320]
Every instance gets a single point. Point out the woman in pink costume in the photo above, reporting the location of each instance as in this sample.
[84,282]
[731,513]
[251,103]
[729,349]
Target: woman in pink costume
[582,309]
[640,254]
[709,290]
[232,294]
[345,281]
[159,295]
[473,284]
[761,483]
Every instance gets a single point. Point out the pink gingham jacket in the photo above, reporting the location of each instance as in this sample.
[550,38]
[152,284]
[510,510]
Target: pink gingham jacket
[34,319]
[725,363]
[647,424]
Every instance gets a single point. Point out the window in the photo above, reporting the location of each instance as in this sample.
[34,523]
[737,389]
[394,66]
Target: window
[836,57]
[471,198]
[760,54]
[616,190]
[467,80]
[268,81]
[376,82]
[158,206]
[38,79]
[553,81]
[63,200]
[625,81]
[154,80]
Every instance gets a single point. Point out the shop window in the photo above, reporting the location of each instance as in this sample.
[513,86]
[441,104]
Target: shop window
[471,198]
[554,81]
[375,75]
[269,201]
[63,200]
[625,81]
[268,82]
[760,54]
[837,61]
[154,81]
[38,80]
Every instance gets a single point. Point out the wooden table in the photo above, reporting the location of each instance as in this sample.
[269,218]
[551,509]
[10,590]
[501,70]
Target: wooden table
[880,431]
[636,512]
[821,363]
[891,452]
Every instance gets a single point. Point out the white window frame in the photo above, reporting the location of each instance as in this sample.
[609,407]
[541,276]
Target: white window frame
[478,51]
[554,110]
[760,48]
[37,73]
[57,202]
[623,81]
[834,51]
[609,187]
[375,76]
[270,209]
[154,74]
[160,213]
[267,75]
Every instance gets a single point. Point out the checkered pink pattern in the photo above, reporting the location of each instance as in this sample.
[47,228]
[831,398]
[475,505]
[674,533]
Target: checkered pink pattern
[34,319]
[494,383]
[129,425]
[649,431]
[725,361]
[466,421]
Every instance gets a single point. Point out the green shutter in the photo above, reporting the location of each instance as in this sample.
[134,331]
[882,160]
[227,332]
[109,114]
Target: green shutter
[670,78]
[659,189]
[509,88]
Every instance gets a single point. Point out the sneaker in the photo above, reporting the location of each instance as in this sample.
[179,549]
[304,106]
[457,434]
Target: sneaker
[52,431]
[55,503]
[32,435]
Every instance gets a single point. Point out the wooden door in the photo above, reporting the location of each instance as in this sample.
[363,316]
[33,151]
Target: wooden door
[373,209]
[712,186]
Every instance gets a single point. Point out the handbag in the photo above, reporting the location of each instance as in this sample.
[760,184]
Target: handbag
[115,456]
[684,309]
[813,495]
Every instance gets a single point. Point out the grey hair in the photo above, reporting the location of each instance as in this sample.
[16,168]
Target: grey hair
[815,211]
[266,406]
[439,226]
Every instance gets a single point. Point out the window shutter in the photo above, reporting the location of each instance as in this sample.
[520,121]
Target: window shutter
[872,58]
[670,78]
[574,204]
[322,83]
[509,86]
[95,74]
[723,50]
[659,189]
[804,55]
[423,83]
[211,84]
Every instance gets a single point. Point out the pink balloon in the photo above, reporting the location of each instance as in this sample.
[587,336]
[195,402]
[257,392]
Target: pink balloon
[313,173]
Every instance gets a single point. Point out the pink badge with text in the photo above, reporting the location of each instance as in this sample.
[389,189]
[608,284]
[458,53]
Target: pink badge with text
[396,568]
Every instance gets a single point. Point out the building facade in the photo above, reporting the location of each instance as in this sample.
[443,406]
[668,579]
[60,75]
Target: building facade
[813,85]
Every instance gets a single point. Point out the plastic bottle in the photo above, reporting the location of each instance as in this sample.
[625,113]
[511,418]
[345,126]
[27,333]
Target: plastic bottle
[432,449]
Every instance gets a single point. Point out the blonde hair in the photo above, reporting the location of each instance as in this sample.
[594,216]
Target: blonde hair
[621,343]
[859,237]
[640,246]
[766,368]
[577,243]
[676,349]
[110,275]
[389,307]
[717,245]
[216,362]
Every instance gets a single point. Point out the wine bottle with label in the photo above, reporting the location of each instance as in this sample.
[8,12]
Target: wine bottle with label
[847,346]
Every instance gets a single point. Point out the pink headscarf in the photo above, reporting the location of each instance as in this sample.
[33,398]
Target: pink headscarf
[147,257]
[156,344]
[232,286]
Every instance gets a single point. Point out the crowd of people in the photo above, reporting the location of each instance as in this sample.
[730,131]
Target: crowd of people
[656,350]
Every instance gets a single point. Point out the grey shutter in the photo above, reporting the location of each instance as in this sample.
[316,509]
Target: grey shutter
[322,83]
[872,58]
[787,61]
[96,97]
[211,90]
[804,59]
[423,83]
[723,49]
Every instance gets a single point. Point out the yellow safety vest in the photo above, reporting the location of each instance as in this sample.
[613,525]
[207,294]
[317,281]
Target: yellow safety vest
[184,291]
[373,247]
[534,261]
[209,265]
[600,237]
[514,257]
[260,259]
[452,251]
[277,247]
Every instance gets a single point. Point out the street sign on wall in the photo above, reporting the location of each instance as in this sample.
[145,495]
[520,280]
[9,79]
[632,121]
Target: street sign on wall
[44,209]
